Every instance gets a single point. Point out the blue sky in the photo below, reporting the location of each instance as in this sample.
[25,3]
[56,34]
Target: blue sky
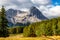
[56,2]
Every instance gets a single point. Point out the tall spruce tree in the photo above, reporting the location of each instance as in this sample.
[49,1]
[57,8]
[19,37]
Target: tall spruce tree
[3,23]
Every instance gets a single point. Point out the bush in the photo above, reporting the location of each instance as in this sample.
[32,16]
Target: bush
[29,31]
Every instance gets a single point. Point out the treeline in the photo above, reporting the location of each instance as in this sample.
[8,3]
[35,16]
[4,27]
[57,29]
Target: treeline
[15,30]
[45,28]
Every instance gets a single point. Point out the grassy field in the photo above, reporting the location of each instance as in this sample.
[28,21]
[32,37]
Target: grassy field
[20,37]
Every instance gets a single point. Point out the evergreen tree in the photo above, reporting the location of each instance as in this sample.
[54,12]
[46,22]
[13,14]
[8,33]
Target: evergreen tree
[3,23]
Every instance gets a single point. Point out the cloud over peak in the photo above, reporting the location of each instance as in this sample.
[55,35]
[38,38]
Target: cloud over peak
[41,2]
[45,6]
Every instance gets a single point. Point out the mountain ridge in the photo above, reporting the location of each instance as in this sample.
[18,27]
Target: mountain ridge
[18,16]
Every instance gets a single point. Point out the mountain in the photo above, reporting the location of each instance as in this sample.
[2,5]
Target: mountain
[37,13]
[24,17]
[16,17]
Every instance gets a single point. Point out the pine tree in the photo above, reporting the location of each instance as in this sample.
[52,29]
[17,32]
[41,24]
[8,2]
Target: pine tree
[3,23]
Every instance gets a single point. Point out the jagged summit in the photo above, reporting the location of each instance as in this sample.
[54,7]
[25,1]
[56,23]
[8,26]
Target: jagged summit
[18,16]
[37,13]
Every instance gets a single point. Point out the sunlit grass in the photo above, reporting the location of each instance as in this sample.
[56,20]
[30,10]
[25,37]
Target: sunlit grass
[18,37]
[26,38]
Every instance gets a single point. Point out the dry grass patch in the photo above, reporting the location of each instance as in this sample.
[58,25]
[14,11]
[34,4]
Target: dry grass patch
[17,37]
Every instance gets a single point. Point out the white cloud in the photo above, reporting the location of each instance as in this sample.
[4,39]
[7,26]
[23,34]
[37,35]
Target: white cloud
[41,2]
[50,12]
[55,11]
[24,9]
[3,2]
[17,4]
[22,1]
[11,6]
[47,8]
[44,6]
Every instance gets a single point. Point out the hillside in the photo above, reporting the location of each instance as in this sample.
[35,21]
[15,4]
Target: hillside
[45,28]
